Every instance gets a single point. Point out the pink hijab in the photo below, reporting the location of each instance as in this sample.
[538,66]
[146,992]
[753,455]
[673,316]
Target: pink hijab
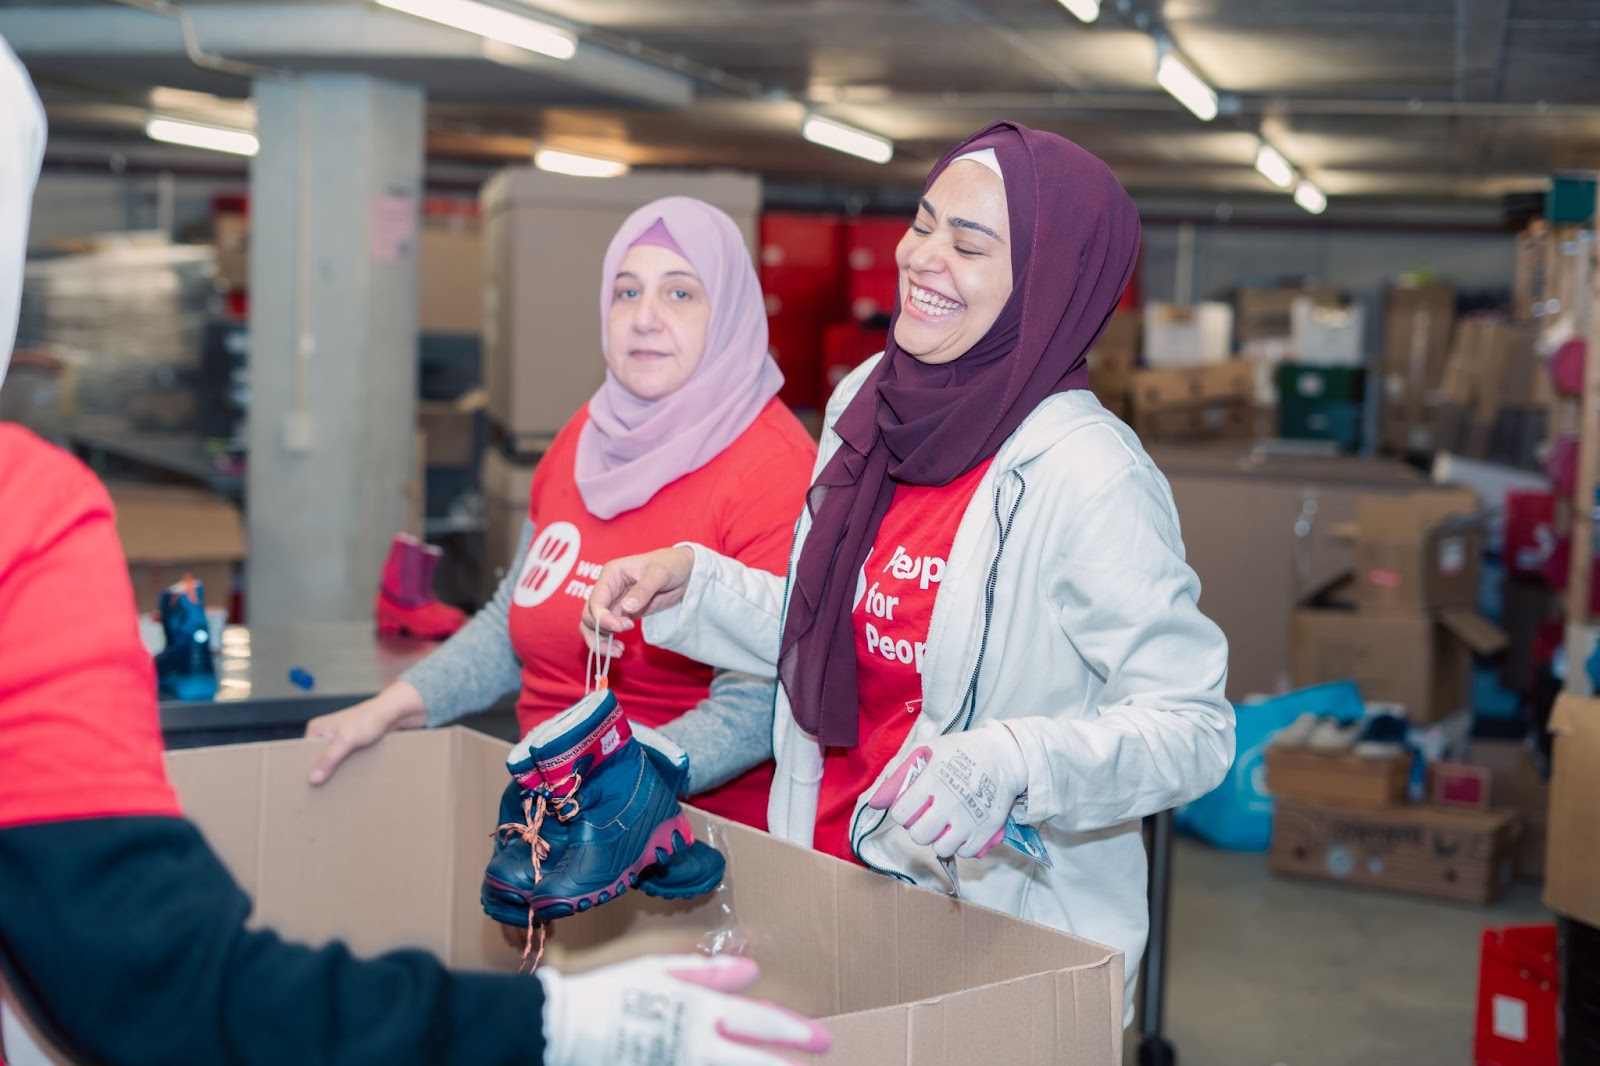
[631,448]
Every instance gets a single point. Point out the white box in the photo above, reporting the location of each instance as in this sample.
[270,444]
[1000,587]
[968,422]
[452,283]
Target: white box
[1187,335]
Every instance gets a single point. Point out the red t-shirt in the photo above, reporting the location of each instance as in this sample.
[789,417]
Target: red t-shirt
[891,620]
[742,504]
[80,734]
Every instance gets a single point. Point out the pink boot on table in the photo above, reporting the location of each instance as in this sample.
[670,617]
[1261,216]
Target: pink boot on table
[406,604]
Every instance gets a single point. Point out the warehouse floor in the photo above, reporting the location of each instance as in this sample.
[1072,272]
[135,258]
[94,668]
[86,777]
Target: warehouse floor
[1267,970]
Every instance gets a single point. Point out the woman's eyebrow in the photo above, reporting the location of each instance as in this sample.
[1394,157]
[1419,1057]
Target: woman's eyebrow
[963,223]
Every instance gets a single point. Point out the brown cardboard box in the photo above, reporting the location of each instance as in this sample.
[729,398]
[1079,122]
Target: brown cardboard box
[1111,368]
[1201,402]
[1419,552]
[874,959]
[450,428]
[1417,660]
[504,483]
[1517,785]
[450,276]
[1263,314]
[1254,573]
[544,238]
[1464,855]
[168,532]
[1572,857]
[1345,779]
[1418,324]
[232,236]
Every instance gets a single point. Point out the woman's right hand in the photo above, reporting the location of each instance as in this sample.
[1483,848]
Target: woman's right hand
[632,587]
[399,706]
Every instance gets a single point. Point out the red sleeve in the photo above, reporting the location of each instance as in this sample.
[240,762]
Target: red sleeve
[758,517]
[80,735]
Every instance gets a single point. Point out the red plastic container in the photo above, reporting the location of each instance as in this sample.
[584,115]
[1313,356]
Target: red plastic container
[1518,995]
[1530,532]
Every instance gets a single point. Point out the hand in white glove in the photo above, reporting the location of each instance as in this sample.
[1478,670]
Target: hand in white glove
[667,1010]
[956,791]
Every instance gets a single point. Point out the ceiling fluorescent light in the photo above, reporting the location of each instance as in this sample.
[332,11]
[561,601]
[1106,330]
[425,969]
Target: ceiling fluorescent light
[1086,10]
[195,135]
[494,23]
[1274,167]
[1310,197]
[848,139]
[1186,87]
[577,166]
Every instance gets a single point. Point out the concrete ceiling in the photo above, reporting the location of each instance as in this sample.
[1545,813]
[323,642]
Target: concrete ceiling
[1443,100]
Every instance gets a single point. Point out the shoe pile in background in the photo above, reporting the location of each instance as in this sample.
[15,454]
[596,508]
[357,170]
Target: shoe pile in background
[591,811]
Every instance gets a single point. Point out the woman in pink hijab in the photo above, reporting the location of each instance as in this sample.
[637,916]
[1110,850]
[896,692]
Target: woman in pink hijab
[686,440]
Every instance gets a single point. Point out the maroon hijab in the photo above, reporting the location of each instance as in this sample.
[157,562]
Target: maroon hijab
[1074,239]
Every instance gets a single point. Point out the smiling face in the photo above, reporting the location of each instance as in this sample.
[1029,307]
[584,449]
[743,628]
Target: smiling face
[955,265]
[657,321]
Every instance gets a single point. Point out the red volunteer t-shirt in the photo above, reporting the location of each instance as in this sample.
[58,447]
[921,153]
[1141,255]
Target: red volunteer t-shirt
[891,621]
[80,734]
[741,504]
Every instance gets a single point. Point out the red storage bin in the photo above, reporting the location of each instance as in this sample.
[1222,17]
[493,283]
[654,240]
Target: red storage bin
[1530,532]
[805,289]
[873,277]
[1518,995]
[845,346]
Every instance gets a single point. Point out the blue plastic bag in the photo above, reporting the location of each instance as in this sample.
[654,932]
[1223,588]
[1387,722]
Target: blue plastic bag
[1237,814]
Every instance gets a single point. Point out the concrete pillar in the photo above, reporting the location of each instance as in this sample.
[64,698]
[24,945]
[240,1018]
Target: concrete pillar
[334,204]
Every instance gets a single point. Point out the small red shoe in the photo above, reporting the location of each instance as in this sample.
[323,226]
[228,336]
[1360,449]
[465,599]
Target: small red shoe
[405,604]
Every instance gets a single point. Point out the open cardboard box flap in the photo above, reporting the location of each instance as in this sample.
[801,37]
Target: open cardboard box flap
[1572,859]
[901,975]
[1474,630]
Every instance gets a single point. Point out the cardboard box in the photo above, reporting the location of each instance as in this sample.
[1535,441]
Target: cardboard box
[869,956]
[1518,785]
[544,238]
[1253,574]
[1572,862]
[1198,402]
[232,237]
[1420,552]
[1418,325]
[1345,779]
[1420,661]
[1266,314]
[1327,334]
[450,275]
[505,483]
[451,429]
[1187,335]
[168,532]
[1463,855]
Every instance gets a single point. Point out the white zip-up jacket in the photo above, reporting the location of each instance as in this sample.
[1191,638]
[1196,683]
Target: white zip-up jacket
[1097,659]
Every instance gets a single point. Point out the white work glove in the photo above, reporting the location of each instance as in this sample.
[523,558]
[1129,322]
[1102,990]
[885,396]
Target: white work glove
[956,791]
[669,1010]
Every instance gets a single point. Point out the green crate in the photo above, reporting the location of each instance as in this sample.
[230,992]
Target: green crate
[1332,420]
[1306,382]
[1570,199]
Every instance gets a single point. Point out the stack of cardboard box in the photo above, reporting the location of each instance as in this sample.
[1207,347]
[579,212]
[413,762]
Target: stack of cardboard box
[1112,361]
[1406,625]
[1418,322]
[1214,402]
[1493,395]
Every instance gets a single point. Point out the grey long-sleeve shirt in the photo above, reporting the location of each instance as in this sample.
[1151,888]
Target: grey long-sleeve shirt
[724,734]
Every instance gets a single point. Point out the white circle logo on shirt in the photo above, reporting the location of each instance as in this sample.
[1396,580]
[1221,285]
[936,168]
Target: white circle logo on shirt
[551,558]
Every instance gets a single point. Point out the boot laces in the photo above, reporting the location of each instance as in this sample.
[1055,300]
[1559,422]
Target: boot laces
[535,806]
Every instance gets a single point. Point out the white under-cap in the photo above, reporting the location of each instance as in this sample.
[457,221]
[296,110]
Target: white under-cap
[987,157]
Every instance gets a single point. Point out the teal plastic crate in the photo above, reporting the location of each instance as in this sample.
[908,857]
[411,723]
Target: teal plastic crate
[1570,199]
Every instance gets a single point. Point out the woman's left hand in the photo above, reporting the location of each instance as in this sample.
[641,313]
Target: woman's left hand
[956,791]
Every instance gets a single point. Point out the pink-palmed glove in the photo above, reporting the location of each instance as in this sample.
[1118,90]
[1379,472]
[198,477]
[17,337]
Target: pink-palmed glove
[955,791]
[667,1010]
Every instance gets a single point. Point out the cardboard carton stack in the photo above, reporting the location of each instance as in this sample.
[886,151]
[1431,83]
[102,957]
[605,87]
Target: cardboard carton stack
[1406,625]
[1214,402]
[1493,395]
[1418,324]
[168,532]
[1112,361]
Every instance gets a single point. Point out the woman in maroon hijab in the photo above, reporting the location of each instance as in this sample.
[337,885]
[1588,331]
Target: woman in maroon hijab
[988,632]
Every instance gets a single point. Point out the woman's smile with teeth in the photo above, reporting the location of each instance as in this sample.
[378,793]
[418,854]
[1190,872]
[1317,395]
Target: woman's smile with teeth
[931,303]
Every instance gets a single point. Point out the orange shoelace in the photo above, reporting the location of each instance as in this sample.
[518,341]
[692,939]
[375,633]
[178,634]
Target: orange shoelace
[534,808]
